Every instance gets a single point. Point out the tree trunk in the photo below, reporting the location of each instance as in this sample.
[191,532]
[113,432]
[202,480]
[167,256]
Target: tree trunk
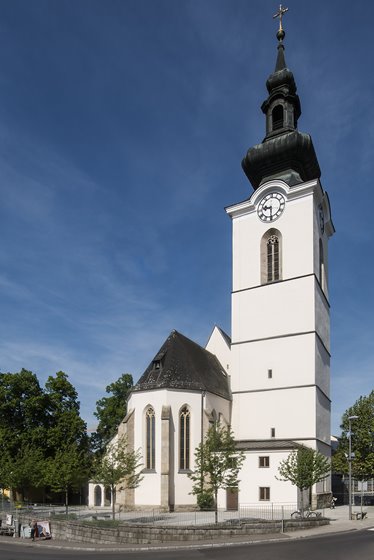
[215,507]
[113,488]
[66,501]
[302,502]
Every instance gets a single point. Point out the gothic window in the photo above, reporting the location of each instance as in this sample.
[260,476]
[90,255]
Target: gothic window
[322,274]
[150,438]
[184,439]
[277,117]
[271,256]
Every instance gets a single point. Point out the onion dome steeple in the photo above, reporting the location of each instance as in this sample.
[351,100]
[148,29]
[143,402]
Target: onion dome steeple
[285,153]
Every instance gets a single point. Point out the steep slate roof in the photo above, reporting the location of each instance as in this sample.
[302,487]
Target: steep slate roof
[183,364]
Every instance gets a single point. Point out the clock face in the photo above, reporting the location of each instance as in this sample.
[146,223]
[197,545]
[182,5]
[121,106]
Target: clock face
[271,207]
[321,218]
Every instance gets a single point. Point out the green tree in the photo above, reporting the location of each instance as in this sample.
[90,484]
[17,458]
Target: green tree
[118,467]
[110,411]
[66,440]
[38,427]
[67,470]
[217,465]
[22,427]
[362,440]
[304,467]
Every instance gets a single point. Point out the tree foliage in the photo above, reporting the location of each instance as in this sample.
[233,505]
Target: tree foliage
[111,410]
[217,465]
[362,440]
[22,425]
[67,443]
[304,467]
[36,426]
[118,467]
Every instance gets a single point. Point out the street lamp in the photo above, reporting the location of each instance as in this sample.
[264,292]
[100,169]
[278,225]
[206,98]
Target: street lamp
[350,418]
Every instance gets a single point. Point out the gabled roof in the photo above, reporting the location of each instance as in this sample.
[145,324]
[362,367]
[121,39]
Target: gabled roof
[225,336]
[182,364]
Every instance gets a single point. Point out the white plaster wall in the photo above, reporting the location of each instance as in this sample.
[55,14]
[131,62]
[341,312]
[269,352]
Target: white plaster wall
[323,412]
[291,359]
[296,225]
[252,478]
[322,317]
[322,368]
[324,238]
[149,491]
[277,309]
[292,412]
[220,405]
[218,346]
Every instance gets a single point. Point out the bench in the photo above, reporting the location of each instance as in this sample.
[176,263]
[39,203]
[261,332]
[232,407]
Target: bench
[356,515]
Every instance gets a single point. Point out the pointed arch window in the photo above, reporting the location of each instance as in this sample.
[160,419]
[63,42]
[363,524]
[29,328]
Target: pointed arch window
[184,438]
[271,256]
[277,117]
[272,249]
[150,433]
[322,272]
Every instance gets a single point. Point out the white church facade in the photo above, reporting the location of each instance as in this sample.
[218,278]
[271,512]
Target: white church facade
[270,381]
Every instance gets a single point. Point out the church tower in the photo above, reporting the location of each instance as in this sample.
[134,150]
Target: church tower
[280,350]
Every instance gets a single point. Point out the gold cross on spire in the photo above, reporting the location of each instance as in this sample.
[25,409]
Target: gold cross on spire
[280,13]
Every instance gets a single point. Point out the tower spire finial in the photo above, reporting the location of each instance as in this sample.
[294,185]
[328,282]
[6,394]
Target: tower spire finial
[280,13]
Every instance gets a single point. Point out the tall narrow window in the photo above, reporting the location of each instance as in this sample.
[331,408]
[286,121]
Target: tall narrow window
[184,439]
[271,256]
[277,117]
[322,274]
[273,259]
[150,438]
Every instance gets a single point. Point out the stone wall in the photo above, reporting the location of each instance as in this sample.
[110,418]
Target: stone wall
[76,531]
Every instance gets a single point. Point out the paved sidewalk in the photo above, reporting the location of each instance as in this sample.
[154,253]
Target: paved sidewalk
[339,522]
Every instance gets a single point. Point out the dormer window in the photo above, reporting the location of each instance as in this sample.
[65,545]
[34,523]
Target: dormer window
[277,117]
[157,361]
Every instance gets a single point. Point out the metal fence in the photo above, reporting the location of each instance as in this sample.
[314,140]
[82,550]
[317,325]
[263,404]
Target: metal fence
[246,513]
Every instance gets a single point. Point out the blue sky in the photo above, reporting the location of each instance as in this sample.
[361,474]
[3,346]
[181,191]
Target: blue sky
[122,127]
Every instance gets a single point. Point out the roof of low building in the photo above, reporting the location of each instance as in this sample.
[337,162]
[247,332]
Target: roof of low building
[266,444]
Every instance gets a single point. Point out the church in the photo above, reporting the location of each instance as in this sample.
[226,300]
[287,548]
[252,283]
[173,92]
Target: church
[269,380]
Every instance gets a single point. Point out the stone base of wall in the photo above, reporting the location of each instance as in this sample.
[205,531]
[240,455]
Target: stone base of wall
[149,534]
[322,500]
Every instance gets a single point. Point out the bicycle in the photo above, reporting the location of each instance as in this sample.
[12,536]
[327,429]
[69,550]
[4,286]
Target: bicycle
[307,513]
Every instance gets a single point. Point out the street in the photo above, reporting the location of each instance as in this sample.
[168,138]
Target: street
[343,546]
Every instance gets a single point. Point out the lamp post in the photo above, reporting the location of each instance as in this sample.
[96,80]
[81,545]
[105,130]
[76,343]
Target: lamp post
[350,418]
